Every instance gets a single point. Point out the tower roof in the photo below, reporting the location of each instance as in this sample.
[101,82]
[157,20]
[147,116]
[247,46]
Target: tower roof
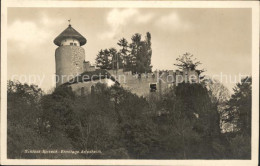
[70,33]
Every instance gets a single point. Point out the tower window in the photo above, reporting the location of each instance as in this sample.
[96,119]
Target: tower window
[71,44]
[75,44]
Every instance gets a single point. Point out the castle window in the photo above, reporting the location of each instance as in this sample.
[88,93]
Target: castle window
[75,44]
[71,44]
[153,88]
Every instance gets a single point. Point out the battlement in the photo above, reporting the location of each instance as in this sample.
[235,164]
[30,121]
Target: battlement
[157,81]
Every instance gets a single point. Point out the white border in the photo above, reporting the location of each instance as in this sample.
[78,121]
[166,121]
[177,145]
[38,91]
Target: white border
[254,5]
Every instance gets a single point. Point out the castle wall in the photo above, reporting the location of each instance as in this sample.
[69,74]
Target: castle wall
[141,85]
[83,88]
[88,67]
[69,63]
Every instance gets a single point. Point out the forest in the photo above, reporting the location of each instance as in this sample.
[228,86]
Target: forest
[185,123]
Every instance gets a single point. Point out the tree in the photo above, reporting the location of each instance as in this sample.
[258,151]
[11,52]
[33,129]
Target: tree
[135,47]
[100,59]
[238,113]
[136,130]
[117,61]
[219,95]
[187,61]
[104,59]
[239,106]
[182,124]
[191,123]
[141,52]
[23,113]
[124,52]
[135,57]
[149,51]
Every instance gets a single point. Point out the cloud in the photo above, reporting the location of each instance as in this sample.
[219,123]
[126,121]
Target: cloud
[145,18]
[26,33]
[49,22]
[117,19]
[172,22]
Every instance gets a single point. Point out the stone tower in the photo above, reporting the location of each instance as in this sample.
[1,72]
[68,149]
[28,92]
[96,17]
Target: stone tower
[69,56]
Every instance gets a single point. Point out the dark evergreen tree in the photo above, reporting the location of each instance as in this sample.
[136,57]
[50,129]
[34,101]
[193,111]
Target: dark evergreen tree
[135,49]
[135,57]
[239,113]
[104,59]
[141,52]
[239,106]
[117,61]
[124,52]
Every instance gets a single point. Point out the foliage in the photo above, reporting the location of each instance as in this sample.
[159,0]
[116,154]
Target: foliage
[135,57]
[239,106]
[219,95]
[193,122]
[183,123]
[188,61]
[124,52]
[238,113]
[103,59]
[23,110]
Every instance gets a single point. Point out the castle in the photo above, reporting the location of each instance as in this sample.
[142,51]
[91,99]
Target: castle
[72,70]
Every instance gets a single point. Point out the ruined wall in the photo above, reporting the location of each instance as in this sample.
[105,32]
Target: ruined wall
[164,80]
[141,85]
[69,63]
[88,67]
[84,88]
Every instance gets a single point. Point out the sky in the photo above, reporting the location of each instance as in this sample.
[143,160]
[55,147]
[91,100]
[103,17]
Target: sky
[220,38]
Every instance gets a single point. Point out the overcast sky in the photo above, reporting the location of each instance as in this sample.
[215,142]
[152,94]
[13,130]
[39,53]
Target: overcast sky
[219,38]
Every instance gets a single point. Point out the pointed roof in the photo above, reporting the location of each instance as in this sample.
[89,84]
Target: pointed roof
[70,33]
